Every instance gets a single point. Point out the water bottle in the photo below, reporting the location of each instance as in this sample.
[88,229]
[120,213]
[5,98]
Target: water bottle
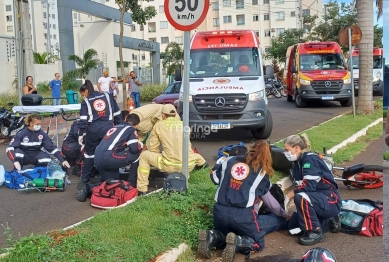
[355,219]
[344,218]
[349,218]
[2,175]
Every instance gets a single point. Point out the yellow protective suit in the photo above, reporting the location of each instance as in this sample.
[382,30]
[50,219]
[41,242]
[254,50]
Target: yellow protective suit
[149,115]
[167,133]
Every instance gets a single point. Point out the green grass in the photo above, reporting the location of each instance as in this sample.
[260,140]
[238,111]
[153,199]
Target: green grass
[187,256]
[384,113]
[386,155]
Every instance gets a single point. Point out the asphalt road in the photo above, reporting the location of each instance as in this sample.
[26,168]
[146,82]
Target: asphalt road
[282,247]
[32,212]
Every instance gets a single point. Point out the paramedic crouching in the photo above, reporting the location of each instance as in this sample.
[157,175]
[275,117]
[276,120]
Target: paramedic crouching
[71,149]
[316,197]
[25,147]
[112,154]
[168,133]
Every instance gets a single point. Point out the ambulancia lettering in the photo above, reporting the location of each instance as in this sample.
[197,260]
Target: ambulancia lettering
[220,88]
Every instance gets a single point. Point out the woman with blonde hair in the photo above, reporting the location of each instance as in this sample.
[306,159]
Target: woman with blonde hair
[242,182]
[316,194]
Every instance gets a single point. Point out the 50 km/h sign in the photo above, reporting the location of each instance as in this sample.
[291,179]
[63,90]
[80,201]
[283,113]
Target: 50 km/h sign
[186,15]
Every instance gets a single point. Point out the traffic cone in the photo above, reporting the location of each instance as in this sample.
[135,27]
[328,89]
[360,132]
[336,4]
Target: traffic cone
[130,104]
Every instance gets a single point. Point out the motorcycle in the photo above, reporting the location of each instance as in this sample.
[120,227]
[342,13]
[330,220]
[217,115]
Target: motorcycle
[10,124]
[359,176]
[271,89]
[280,87]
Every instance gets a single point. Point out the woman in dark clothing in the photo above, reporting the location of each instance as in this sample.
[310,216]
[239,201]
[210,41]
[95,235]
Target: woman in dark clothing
[29,88]
[242,182]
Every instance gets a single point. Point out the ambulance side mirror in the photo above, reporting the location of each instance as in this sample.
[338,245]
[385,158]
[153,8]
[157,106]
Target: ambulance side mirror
[177,75]
[294,70]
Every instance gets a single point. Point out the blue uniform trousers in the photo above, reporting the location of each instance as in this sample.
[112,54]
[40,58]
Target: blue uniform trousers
[246,222]
[39,158]
[315,207]
[72,152]
[94,134]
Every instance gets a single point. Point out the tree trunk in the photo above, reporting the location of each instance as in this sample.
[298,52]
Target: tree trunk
[366,24]
[122,11]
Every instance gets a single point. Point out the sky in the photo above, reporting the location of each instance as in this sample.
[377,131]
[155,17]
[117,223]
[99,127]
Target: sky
[383,20]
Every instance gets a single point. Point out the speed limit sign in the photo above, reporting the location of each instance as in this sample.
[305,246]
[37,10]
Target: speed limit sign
[186,15]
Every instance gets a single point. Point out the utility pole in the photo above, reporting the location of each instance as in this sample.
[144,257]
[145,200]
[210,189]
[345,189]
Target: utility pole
[27,41]
[299,14]
[19,54]
[48,31]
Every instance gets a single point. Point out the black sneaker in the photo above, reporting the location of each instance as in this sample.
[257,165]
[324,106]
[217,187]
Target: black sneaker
[334,224]
[312,237]
[82,192]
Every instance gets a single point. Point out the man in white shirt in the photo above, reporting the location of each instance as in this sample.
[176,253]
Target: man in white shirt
[104,82]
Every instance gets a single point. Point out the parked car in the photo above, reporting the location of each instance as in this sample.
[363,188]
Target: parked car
[170,95]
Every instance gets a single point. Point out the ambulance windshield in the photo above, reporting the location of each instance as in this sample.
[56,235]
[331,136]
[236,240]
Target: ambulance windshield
[377,62]
[224,62]
[322,61]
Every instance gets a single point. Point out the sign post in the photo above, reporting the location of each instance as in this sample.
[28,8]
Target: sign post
[351,36]
[186,15]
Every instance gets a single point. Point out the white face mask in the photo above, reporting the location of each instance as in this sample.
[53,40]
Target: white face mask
[37,127]
[291,157]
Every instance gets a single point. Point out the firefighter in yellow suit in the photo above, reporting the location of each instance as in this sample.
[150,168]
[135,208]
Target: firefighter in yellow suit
[168,133]
[149,115]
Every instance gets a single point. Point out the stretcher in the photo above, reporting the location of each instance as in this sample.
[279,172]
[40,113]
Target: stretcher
[64,111]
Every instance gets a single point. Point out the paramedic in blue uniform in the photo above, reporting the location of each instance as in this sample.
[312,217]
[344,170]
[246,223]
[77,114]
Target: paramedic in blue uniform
[99,113]
[242,182]
[316,194]
[25,147]
[119,148]
[71,149]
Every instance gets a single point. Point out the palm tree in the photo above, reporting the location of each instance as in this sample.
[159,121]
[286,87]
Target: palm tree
[86,63]
[40,58]
[366,24]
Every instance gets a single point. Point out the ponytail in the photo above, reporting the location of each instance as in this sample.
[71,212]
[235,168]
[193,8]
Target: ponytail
[259,156]
[31,118]
[299,140]
[87,86]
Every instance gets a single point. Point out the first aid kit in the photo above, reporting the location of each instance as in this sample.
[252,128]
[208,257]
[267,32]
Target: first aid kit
[16,179]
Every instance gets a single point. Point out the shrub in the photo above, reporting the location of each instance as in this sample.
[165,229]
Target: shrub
[6,98]
[151,91]
[42,87]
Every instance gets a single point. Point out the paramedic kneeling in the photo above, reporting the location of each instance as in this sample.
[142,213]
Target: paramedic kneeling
[168,133]
[316,198]
[242,182]
[70,146]
[25,147]
[112,154]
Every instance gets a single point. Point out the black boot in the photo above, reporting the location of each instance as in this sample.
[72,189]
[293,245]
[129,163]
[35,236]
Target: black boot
[76,170]
[201,167]
[209,239]
[237,243]
[312,237]
[83,191]
[334,224]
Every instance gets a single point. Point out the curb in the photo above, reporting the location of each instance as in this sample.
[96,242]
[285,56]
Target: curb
[173,254]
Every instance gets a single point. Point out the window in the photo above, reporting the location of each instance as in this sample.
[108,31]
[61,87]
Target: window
[141,27]
[54,26]
[255,18]
[280,15]
[215,6]
[45,25]
[152,27]
[10,28]
[226,2]
[280,31]
[306,12]
[44,15]
[55,36]
[133,28]
[239,4]
[45,35]
[51,36]
[279,2]
[267,49]
[265,1]
[161,9]
[74,15]
[266,17]
[9,18]
[240,20]
[152,39]
[8,8]
[324,61]
[165,40]
[257,33]
[163,24]
[227,19]
[293,13]
[267,33]
[216,22]
[53,16]
[178,40]
[254,2]
[143,57]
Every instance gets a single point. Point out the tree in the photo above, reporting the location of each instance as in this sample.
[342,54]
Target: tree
[139,16]
[40,58]
[378,34]
[365,14]
[172,58]
[86,63]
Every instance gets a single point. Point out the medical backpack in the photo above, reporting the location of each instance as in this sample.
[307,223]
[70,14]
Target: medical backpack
[112,193]
[232,150]
[175,183]
[371,224]
[16,180]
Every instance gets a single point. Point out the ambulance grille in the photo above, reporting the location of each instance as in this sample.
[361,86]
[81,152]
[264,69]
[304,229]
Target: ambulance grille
[324,85]
[220,103]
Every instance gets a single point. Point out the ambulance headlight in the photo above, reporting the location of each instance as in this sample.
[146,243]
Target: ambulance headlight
[181,98]
[347,81]
[377,76]
[305,82]
[256,96]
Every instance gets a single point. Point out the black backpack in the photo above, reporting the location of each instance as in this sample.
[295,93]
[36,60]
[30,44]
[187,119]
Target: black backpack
[175,182]
[278,194]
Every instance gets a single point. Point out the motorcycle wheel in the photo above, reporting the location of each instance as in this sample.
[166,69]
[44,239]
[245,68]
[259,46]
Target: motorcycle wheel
[283,93]
[371,173]
[276,93]
[4,131]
